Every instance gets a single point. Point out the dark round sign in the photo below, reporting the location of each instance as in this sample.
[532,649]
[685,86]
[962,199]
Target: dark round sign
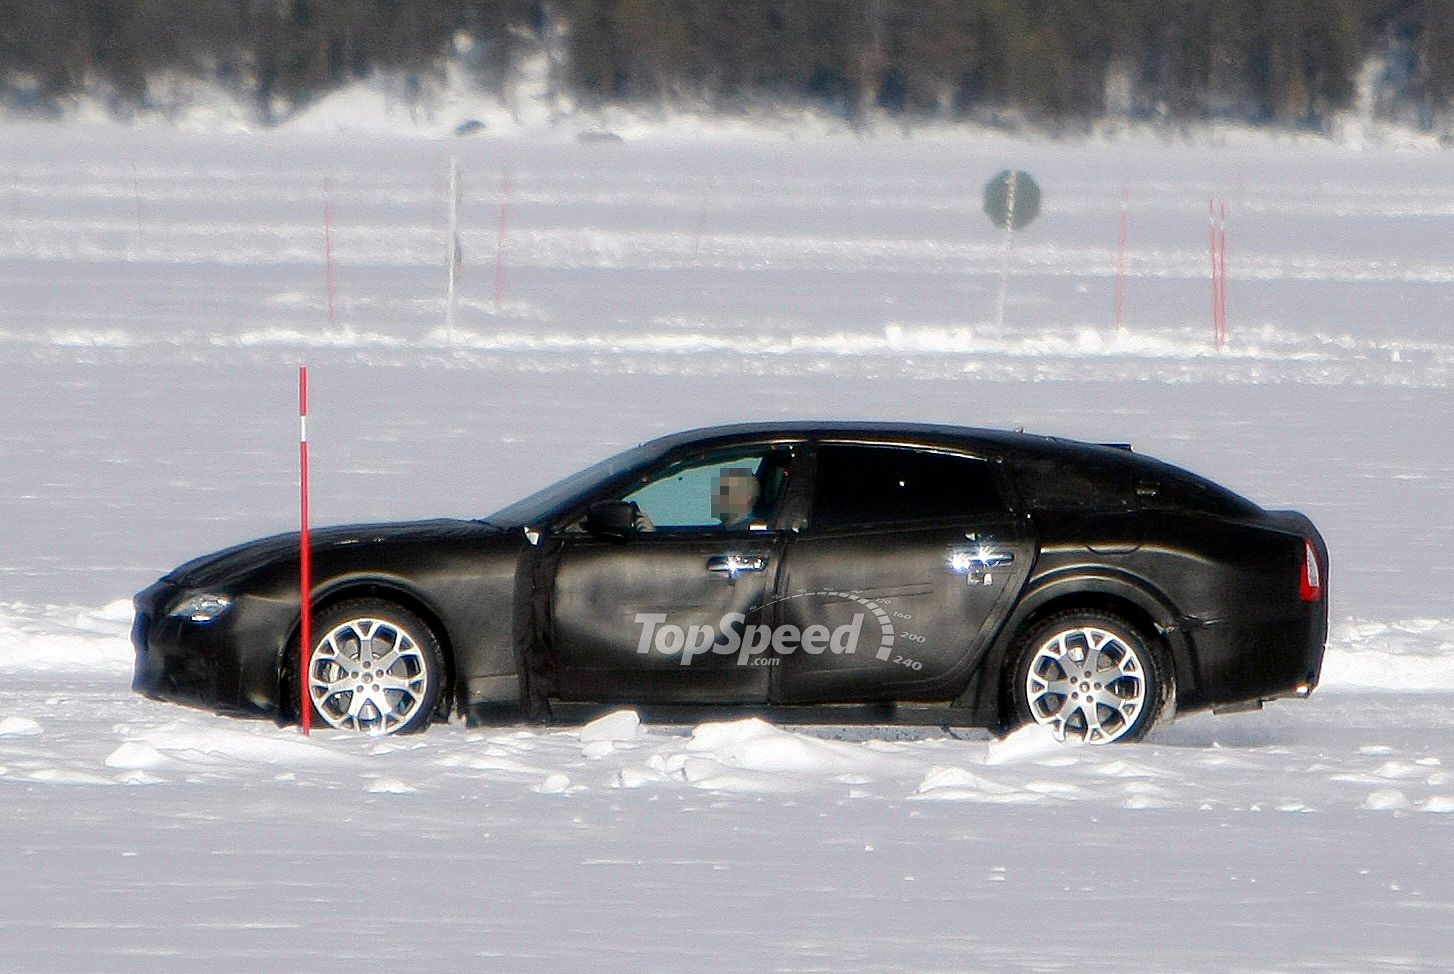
[1011,199]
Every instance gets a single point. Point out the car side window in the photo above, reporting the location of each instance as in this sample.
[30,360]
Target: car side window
[736,492]
[867,485]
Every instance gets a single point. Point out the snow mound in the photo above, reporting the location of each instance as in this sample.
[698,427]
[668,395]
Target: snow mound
[1386,800]
[623,725]
[1030,743]
[19,727]
[1412,654]
[753,744]
[554,784]
[960,784]
[222,742]
[136,756]
[56,637]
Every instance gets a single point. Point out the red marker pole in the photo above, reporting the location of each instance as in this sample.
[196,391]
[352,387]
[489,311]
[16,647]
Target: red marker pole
[305,552]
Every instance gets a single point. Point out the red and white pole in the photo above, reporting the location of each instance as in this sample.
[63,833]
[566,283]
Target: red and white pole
[305,559]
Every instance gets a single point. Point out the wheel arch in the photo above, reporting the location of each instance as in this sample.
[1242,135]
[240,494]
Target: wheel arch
[346,590]
[1128,597]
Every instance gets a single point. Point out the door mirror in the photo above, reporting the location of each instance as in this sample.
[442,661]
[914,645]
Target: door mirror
[611,519]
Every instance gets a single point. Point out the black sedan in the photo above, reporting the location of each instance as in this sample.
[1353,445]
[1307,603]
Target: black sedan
[829,572]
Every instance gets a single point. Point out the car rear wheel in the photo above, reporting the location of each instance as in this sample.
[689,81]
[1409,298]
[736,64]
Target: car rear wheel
[1090,677]
[375,667]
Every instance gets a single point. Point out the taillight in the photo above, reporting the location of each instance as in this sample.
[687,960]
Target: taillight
[1311,585]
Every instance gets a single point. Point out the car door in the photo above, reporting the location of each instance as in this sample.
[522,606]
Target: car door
[910,558]
[652,618]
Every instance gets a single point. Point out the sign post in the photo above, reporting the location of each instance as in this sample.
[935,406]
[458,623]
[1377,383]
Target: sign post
[1011,201]
[328,253]
[1121,264]
[305,559]
[455,255]
[500,239]
[1222,274]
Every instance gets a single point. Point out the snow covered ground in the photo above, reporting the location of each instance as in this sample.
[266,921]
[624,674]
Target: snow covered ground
[159,290]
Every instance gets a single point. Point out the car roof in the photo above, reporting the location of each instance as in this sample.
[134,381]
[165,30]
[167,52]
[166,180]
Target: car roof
[928,434]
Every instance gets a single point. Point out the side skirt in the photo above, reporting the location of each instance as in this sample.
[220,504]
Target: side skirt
[914,714]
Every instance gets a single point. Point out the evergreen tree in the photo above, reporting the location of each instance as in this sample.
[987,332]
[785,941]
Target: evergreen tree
[1284,62]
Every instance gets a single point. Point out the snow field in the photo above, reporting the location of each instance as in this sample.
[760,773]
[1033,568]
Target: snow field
[159,290]
[153,841]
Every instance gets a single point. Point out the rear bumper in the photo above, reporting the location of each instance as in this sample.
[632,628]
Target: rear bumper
[1268,644]
[1243,664]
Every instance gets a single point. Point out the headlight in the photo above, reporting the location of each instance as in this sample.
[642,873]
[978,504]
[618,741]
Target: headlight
[203,607]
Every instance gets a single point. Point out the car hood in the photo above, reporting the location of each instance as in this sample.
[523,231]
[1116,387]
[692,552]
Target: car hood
[231,564]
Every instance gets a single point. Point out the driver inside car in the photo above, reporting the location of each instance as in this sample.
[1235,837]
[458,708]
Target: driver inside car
[735,496]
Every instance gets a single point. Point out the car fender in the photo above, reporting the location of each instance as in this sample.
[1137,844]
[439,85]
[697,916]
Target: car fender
[373,584]
[1086,584]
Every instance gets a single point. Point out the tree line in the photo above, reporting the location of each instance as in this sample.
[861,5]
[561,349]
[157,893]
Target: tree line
[1050,63]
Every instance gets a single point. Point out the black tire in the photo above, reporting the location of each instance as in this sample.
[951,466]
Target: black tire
[352,645]
[1113,693]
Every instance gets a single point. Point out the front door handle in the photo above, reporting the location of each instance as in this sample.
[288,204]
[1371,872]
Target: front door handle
[734,565]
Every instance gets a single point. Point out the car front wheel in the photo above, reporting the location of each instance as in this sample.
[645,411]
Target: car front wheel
[375,667]
[1090,677]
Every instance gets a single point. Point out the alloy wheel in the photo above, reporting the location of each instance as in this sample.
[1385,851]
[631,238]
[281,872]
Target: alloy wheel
[1087,684]
[368,674]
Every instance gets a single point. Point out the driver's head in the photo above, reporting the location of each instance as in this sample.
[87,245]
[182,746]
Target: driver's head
[735,496]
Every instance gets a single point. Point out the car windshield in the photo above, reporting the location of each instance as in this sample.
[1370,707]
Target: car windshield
[563,494]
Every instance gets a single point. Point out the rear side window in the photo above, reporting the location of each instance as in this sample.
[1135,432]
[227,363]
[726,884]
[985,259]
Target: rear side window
[1090,482]
[866,485]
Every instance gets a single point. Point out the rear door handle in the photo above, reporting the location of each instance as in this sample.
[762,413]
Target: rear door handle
[977,562]
[968,560]
[734,565]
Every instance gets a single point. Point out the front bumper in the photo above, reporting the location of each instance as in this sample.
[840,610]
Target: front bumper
[229,665]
